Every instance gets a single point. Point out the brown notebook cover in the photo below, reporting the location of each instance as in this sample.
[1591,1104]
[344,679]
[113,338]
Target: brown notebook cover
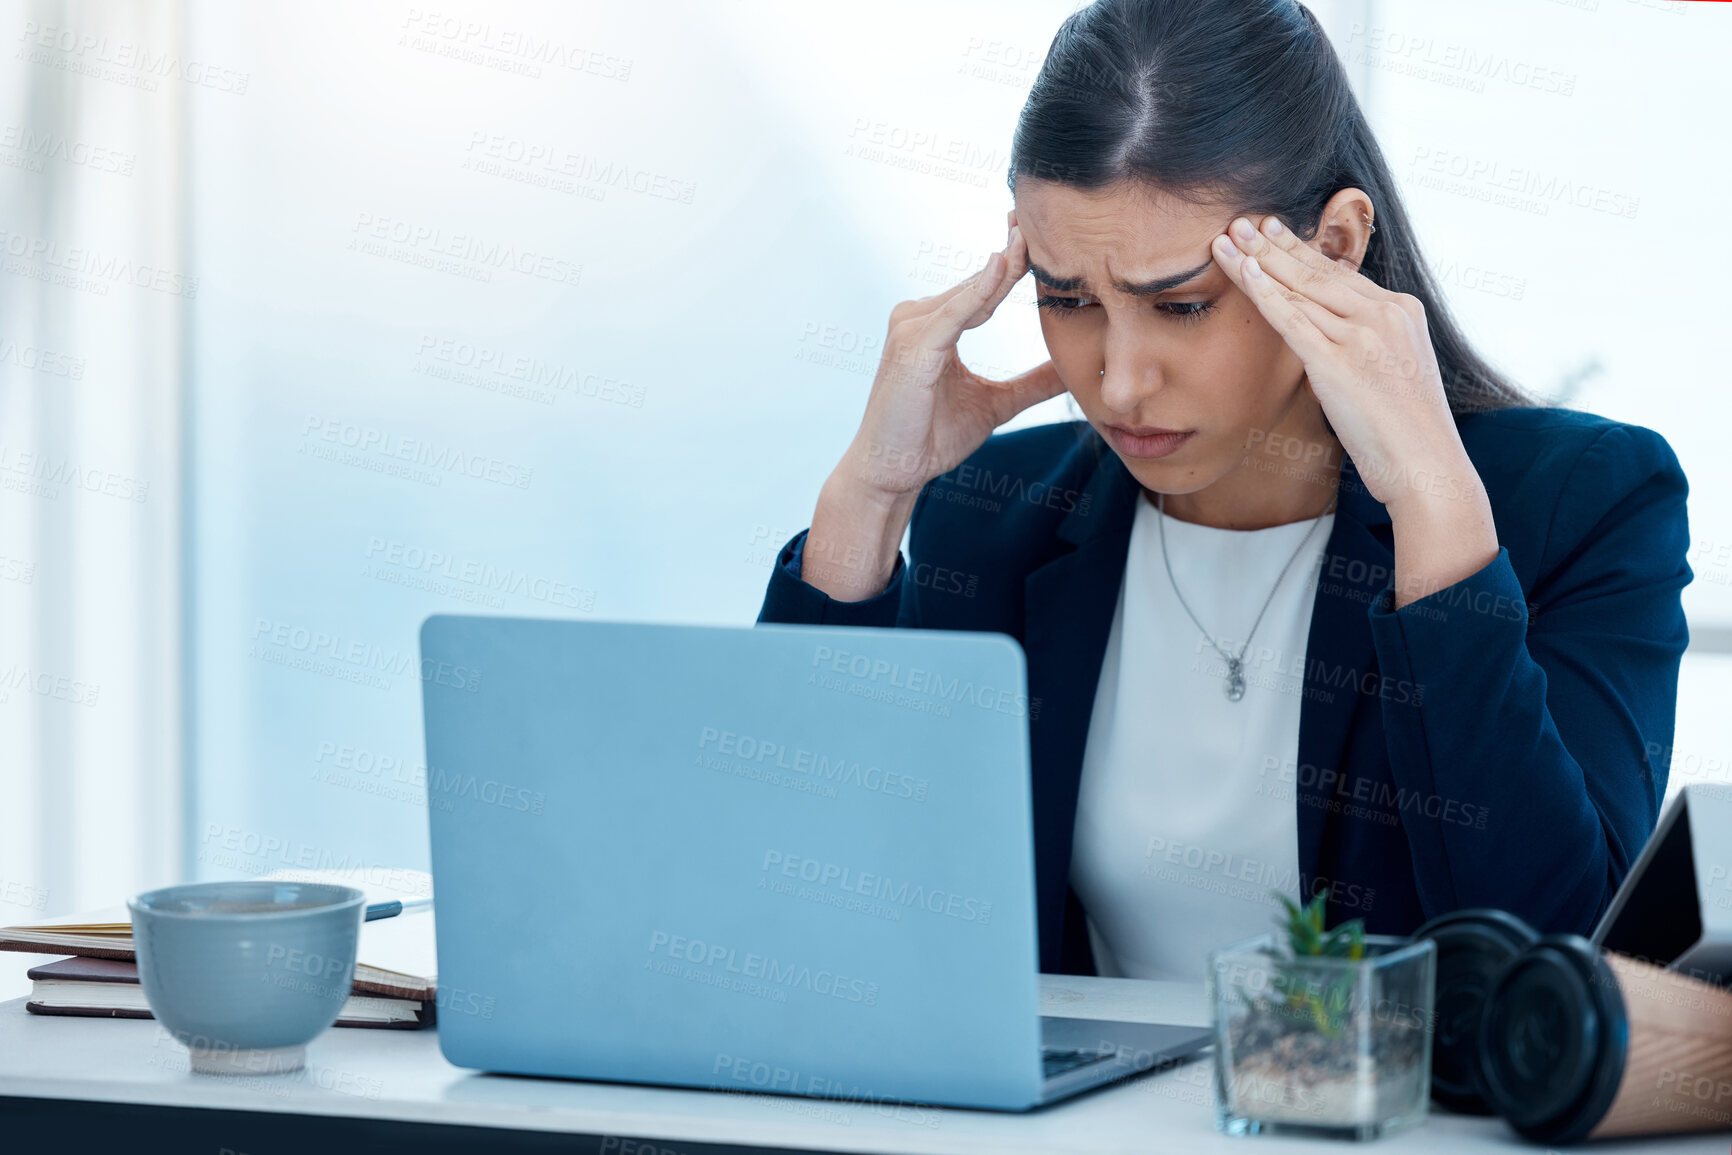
[85,970]
[97,971]
[122,954]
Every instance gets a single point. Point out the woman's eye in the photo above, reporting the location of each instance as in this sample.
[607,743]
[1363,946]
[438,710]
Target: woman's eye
[1186,310]
[1061,304]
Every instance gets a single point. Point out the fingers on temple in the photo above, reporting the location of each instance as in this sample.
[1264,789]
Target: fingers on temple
[966,305]
[1015,265]
[1300,267]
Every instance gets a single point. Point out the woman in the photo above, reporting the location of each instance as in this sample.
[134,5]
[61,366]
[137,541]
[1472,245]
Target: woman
[1313,601]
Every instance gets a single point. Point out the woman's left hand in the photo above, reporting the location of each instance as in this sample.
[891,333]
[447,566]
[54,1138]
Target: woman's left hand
[1368,360]
[1367,355]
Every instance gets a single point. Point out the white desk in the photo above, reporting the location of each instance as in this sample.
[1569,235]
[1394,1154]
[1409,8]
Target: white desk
[396,1078]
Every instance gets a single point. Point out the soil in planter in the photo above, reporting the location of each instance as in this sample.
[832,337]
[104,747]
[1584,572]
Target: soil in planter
[1287,1070]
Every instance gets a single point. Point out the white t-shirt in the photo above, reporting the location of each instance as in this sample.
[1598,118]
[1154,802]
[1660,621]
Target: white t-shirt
[1185,823]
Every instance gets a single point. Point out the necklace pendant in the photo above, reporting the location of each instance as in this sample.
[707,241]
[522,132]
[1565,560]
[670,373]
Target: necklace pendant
[1235,687]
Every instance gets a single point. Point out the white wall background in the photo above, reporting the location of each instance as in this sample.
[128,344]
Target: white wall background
[716,205]
[91,246]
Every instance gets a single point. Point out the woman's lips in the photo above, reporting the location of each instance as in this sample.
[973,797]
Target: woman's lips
[1159,443]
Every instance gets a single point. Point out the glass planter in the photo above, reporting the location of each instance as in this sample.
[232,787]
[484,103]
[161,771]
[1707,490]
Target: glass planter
[1322,1046]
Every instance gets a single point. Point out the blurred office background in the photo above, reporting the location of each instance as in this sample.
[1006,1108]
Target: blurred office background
[318,318]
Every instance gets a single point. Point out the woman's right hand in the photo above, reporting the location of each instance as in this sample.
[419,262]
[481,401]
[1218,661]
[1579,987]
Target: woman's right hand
[926,413]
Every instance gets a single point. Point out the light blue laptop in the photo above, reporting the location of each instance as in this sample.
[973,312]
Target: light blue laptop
[777,858]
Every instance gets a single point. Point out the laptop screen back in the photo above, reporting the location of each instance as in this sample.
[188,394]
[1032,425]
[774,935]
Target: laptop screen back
[778,858]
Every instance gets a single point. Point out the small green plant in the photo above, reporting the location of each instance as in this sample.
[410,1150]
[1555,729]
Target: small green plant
[1305,937]
[1308,992]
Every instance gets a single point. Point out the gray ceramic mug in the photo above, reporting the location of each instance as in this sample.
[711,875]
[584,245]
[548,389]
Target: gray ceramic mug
[245,974]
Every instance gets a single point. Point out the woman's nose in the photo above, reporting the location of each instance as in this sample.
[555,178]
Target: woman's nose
[1126,382]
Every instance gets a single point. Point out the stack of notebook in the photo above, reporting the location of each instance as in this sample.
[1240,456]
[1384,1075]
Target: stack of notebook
[395,983]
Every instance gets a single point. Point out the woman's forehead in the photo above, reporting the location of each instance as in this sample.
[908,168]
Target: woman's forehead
[1137,231]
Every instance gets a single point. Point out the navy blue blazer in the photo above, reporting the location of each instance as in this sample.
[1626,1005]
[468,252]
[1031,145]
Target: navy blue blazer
[1485,745]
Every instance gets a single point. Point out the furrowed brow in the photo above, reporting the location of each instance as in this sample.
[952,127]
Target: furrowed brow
[1145,289]
[1162,284]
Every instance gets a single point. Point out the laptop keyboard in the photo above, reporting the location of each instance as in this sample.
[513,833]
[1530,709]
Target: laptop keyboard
[1054,1063]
